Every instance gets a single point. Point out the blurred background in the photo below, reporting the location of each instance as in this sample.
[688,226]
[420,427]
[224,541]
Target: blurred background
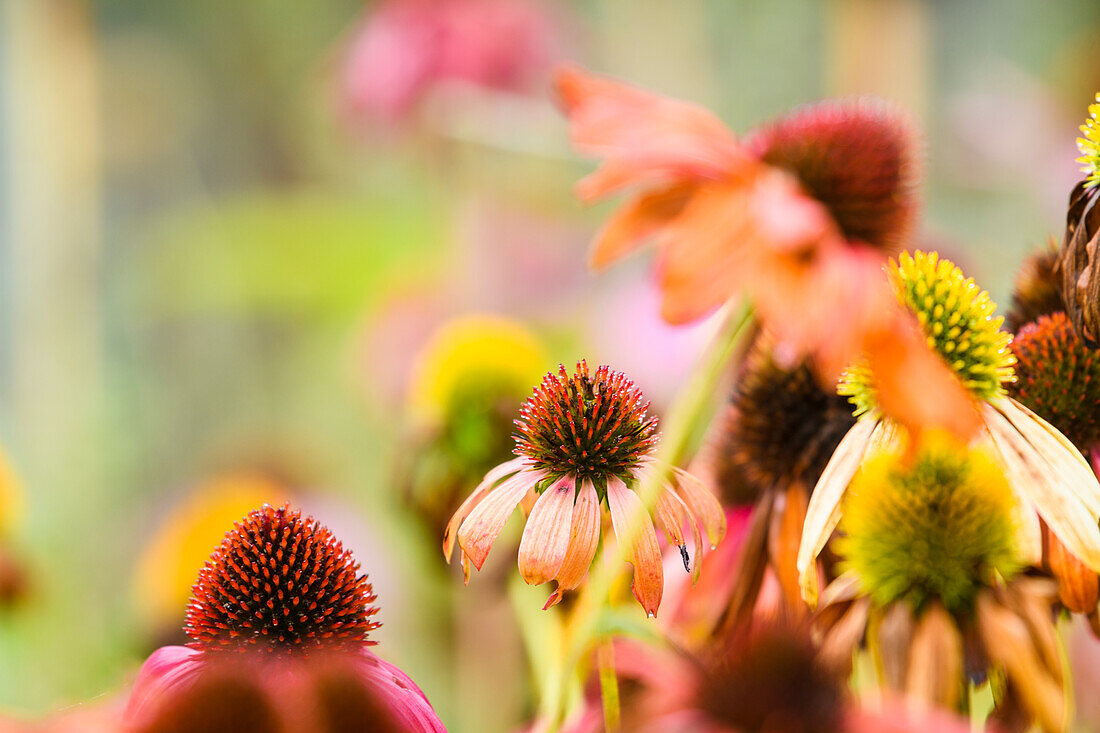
[235,237]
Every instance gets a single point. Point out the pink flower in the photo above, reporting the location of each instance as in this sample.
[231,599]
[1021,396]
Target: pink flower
[583,443]
[404,48]
[279,619]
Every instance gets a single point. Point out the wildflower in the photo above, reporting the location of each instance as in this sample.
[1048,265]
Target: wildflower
[1078,267]
[279,605]
[177,550]
[583,442]
[1037,290]
[930,561]
[805,205]
[778,433]
[1047,474]
[406,48]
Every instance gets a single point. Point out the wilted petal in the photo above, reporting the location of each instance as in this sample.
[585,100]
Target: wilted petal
[823,512]
[1078,586]
[546,535]
[583,538]
[492,478]
[935,672]
[702,504]
[682,510]
[635,533]
[895,634]
[1008,644]
[480,529]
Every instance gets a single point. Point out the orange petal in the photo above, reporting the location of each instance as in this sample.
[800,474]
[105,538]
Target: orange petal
[642,132]
[635,533]
[696,533]
[628,228]
[702,505]
[487,484]
[546,534]
[481,528]
[584,537]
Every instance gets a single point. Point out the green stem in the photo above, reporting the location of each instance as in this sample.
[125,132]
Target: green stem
[609,685]
[686,418]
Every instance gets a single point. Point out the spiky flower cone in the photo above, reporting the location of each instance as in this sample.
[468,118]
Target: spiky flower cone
[1037,290]
[283,584]
[857,158]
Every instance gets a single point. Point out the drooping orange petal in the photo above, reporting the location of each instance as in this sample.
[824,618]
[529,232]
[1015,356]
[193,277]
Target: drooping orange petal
[546,534]
[480,529]
[702,504]
[696,533]
[635,221]
[583,539]
[635,533]
[487,484]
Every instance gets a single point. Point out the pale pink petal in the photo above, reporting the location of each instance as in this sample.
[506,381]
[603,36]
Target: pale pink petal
[492,478]
[480,529]
[546,534]
[634,531]
[702,505]
[167,670]
[583,539]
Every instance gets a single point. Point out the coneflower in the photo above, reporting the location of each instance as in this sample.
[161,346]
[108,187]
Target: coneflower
[1078,264]
[1037,290]
[583,442]
[1050,478]
[930,582]
[282,598]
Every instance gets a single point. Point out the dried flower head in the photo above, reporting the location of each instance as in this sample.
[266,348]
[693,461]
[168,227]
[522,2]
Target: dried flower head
[1089,145]
[283,584]
[856,157]
[784,426]
[1058,377]
[938,525]
[1037,290]
[593,426]
[583,442]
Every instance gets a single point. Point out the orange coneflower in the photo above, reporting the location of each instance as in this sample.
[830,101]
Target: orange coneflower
[278,612]
[796,215]
[583,442]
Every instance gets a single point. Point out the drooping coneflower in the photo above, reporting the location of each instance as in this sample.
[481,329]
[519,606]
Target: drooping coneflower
[779,432]
[466,382]
[280,595]
[1078,264]
[806,206]
[583,442]
[1050,478]
[930,561]
[1037,290]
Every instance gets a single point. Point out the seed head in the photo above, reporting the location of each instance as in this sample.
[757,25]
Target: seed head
[783,427]
[591,426]
[1089,145]
[1037,290]
[857,158]
[936,525]
[282,584]
[1058,377]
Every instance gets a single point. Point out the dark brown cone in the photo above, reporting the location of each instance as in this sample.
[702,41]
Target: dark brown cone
[1037,290]
[1078,265]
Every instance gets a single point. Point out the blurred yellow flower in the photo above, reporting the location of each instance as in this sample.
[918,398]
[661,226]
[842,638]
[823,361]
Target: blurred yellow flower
[181,545]
[12,498]
[470,356]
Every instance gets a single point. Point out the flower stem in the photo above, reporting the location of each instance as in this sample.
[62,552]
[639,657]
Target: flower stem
[686,419]
[609,685]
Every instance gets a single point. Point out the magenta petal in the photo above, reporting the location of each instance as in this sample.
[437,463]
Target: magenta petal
[167,670]
[407,702]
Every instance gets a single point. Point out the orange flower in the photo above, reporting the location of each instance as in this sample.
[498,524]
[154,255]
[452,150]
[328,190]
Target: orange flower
[583,442]
[797,218]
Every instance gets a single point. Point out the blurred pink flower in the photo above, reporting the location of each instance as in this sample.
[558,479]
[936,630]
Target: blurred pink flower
[406,47]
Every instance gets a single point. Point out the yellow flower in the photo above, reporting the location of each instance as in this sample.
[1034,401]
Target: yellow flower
[1089,145]
[470,356]
[181,545]
[12,500]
